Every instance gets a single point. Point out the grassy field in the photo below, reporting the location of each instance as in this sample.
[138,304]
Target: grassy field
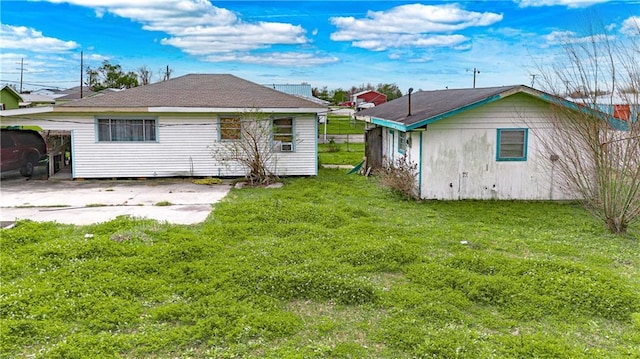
[341,125]
[341,153]
[325,267]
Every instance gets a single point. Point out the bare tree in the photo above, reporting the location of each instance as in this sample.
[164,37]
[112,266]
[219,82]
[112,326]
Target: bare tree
[246,139]
[144,73]
[594,141]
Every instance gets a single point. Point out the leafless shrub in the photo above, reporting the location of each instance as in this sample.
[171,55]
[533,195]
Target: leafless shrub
[247,141]
[400,176]
[597,148]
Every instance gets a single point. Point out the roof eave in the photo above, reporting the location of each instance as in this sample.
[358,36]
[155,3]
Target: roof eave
[238,109]
[470,106]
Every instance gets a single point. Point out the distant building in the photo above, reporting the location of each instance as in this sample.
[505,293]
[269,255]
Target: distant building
[9,98]
[370,97]
[301,90]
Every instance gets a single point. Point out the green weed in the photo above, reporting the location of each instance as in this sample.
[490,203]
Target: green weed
[329,266]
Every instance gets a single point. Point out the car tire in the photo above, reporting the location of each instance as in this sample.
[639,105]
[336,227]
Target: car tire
[27,169]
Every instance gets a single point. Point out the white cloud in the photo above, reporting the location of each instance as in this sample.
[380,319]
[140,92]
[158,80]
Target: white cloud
[26,38]
[199,28]
[631,26]
[297,59]
[570,37]
[414,25]
[568,3]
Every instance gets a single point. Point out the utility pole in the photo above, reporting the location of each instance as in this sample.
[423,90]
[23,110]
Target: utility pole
[21,72]
[167,74]
[533,79]
[475,72]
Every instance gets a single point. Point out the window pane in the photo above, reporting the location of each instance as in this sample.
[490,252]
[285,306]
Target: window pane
[126,130]
[283,129]
[104,130]
[512,144]
[149,130]
[230,128]
[402,141]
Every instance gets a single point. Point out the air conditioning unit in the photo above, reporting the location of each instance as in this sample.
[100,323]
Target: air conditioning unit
[286,147]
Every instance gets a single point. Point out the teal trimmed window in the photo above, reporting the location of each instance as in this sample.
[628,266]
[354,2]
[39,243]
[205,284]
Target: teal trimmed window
[512,144]
[402,142]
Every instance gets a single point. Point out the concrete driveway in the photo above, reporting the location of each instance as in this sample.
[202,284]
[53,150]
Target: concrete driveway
[93,201]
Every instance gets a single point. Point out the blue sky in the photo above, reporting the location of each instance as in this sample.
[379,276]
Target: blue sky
[421,44]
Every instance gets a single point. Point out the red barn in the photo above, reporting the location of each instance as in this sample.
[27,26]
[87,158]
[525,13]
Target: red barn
[369,96]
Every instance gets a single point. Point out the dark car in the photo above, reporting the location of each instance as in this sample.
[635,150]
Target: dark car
[21,149]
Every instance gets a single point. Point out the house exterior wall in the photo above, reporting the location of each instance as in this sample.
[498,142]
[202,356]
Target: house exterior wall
[459,155]
[456,156]
[186,146]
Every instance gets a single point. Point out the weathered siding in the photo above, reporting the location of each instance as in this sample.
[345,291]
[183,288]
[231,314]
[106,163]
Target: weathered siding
[459,155]
[185,146]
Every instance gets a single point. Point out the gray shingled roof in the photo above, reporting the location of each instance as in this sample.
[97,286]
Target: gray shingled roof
[197,90]
[429,104]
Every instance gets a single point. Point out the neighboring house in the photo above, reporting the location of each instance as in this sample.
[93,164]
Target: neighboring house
[9,98]
[368,97]
[303,90]
[621,106]
[469,143]
[51,92]
[177,128]
[73,93]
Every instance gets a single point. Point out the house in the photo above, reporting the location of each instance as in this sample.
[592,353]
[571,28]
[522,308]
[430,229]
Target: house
[369,97]
[177,127]
[9,98]
[480,143]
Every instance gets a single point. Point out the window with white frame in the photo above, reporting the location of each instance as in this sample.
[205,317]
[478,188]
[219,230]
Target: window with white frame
[512,144]
[126,130]
[282,134]
[402,142]
[230,128]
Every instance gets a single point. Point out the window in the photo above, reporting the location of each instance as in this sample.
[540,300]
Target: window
[402,141]
[115,130]
[283,137]
[230,128]
[512,144]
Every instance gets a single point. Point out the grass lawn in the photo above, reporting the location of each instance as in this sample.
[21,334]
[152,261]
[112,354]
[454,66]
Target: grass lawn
[341,125]
[341,153]
[325,267]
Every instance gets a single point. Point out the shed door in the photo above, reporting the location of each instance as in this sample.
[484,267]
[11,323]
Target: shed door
[373,147]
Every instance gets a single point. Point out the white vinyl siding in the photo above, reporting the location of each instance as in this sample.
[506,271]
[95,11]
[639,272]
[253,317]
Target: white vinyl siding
[186,146]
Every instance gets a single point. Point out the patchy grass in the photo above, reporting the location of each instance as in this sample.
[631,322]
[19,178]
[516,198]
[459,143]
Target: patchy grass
[163,204]
[342,125]
[326,267]
[208,181]
[341,153]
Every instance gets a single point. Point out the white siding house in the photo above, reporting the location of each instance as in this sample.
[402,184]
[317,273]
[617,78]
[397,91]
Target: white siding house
[177,128]
[471,143]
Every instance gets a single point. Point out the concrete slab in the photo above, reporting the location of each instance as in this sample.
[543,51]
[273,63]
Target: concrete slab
[92,201]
